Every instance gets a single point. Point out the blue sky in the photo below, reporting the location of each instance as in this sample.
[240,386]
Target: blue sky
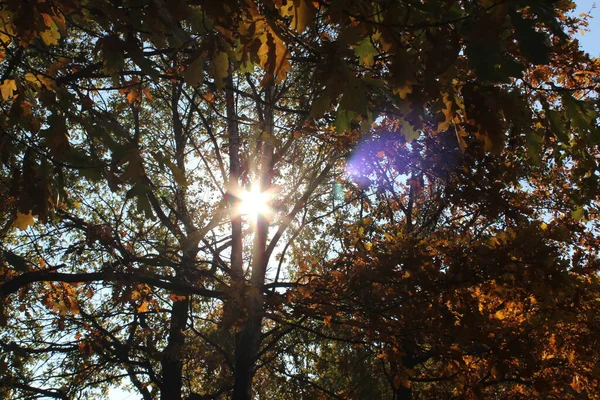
[590,41]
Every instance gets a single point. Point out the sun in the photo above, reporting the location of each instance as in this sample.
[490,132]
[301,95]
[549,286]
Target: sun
[255,202]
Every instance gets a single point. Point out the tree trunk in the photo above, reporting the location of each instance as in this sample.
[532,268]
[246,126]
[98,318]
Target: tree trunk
[172,365]
[248,343]
[403,393]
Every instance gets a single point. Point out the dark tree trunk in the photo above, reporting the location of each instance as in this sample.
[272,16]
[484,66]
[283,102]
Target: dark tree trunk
[172,365]
[403,393]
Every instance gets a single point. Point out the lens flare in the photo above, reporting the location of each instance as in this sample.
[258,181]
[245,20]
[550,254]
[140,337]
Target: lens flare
[255,202]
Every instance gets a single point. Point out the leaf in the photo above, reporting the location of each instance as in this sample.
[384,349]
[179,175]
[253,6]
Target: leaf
[220,65]
[143,307]
[577,213]
[343,120]
[143,204]
[113,53]
[301,12]
[23,221]
[199,21]
[447,112]
[175,170]
[57,136]
[578,112]
[273,57]
[408,130]
[8,87]
[177,297]
[531,42]
[365,51]
[558,126]
[534,146]
[50,35]
[403,90]
[194,73]
[319,106]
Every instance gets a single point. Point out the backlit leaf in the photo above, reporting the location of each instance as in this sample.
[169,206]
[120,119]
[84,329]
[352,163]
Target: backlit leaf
[23,221]
[8,87]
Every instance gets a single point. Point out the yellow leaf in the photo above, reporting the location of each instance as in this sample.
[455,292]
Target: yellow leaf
[50,35]
[461,134]
[23,221]
[404,90]
[301,13]
[143,307]
[447,110]
[448,114]
[29,77]
[443,126]
[7,29]
[8,87]
[543,226]
[273,56]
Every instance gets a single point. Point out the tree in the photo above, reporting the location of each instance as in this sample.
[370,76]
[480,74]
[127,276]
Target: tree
[132,129]
[463,278]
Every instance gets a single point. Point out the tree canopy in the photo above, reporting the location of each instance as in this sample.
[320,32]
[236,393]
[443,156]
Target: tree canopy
[298,199]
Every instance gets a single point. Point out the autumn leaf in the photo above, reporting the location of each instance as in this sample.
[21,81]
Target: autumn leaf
[8,87]
[23,221]
[50,35]
[143,307]
[301,13]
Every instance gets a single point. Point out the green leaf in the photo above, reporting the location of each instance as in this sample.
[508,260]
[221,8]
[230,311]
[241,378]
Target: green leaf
[139,191]
[194,73]
[531,42]
[113,54]
[220,67]
[577,213]
[365,51]
[580,113]
[199,21]
[319,106]
[343,120]
[408,131]
[175,170]
[534,146]
[558,126]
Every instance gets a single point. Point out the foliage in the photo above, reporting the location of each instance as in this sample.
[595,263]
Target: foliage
[433,174]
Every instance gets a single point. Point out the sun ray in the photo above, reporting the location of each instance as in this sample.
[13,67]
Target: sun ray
[255,202]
